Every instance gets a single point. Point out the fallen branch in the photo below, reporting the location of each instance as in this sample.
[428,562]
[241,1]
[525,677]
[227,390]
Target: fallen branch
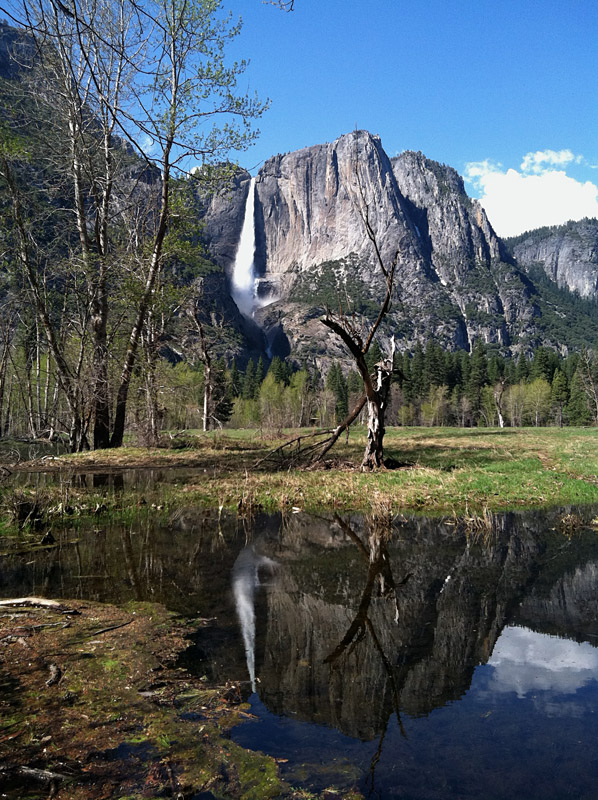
[111,628]
[33,773]
[31,601]
[38,602]
[315,451]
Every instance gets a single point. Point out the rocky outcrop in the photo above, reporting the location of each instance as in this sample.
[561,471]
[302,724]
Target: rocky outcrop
[465,253]
[453,282]
[567,253]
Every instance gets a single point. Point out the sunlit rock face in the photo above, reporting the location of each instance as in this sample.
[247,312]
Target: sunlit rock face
[455,282]
[311,202]
[465,253]
[312,249]
[568,254]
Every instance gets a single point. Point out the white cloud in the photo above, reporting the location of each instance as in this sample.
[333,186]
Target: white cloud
[536,162]
[541,193]
[146,143]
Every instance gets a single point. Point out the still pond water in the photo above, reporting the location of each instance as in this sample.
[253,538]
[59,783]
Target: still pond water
[438,662]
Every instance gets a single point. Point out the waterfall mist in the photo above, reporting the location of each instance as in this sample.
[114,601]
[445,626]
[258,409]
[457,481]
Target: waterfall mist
[243,279]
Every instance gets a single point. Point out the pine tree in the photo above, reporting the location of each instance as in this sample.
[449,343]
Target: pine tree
[354,382]
[260,373]
[407,383]
[522,369]
[373,356]
[248,391]
[496,369]
[478,377]
[434,367]
[222,398]
[543,364]
[577,410]
[417,372]
[235,380]
[453,370]
[277,370]
[465,368]
[335,381]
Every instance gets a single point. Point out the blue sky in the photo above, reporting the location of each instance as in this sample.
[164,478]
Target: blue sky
[506,92]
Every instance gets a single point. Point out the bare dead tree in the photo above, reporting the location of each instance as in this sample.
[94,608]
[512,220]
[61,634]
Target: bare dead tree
[498,392]
[376,384]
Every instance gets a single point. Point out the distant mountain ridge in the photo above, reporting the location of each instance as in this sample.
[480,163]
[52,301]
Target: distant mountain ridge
[567,253]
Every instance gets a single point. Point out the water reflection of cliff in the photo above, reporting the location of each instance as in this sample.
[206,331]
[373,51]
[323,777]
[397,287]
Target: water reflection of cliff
[360,625]
[350,627]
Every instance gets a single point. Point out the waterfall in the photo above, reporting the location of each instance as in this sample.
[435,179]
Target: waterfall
[243,283]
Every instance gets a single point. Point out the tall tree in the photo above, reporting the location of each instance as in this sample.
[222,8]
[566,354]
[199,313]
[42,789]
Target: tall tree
[559,394]
[192,85]
[169,57]
[478,376]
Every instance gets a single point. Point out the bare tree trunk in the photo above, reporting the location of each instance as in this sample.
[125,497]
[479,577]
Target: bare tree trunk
[144,305]
[499,390]
[373,457]
[3,371]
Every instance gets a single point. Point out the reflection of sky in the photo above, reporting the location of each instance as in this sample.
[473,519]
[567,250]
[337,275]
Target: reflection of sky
[524,662]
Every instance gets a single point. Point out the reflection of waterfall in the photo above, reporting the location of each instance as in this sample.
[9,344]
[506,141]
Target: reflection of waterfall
[243,283]
[245,582]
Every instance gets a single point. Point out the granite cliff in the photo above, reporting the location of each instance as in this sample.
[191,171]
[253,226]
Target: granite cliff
[567,253]
[456,280]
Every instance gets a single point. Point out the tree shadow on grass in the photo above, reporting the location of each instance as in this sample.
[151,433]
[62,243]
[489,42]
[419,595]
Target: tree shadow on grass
[446,458]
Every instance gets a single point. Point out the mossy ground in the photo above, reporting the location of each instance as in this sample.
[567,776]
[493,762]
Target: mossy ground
[92,693]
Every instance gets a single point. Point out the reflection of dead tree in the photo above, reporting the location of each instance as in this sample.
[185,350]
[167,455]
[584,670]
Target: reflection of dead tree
[379,573]
[358,342]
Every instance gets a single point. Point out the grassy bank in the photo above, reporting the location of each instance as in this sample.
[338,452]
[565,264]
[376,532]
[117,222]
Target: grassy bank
[443,470]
